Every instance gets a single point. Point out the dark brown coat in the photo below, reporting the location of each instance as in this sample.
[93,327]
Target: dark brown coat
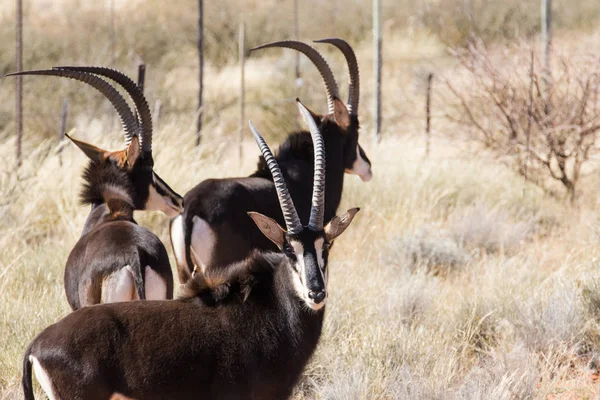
[242,335]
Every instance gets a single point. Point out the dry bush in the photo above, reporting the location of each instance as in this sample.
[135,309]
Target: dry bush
[455,22]
[545,127]
[489,231]
[429,250]
[504,376]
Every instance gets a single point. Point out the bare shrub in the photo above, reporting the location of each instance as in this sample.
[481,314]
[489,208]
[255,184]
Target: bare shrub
[551,322]
[504,376]
[411,299]
[426,249]
[545,127]
[477,332]
[590,296]
[489,231]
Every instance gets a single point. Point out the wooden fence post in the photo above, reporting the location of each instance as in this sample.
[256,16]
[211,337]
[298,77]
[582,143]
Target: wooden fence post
[547,46]
[428,115]
[242,61]
[200,69]
[377,67]
[63,128]
[141,75]
[19,82]
[113,33]
[297,53]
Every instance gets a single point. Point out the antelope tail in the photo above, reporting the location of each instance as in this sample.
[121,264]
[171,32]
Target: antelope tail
[139,279]
[26,380]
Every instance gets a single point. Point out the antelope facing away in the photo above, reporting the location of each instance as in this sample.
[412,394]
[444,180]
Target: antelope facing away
[214,228]
[243,332]
[115,259]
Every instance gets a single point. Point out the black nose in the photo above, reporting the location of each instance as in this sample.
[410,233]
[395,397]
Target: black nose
[317,297]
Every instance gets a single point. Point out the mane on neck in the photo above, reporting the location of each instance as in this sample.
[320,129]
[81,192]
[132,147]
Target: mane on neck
[242,280]
[106,183]
[298,146]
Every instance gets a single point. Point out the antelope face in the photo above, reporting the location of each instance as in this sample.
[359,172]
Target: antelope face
[149,192]
[154,194]
[356,161]
[307,253]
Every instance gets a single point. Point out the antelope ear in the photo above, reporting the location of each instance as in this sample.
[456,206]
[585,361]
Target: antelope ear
[341,114]
[133,151]
[269,227]
[339,224]
[94,153]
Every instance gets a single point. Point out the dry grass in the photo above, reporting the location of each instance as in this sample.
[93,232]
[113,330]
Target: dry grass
[456,281]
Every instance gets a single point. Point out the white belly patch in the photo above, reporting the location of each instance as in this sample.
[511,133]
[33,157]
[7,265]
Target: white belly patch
[156,287]
[43,378]
[178,240]
[120,286]
[203,242]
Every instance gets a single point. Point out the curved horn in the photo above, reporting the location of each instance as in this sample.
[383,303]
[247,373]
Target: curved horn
[353,76]
[136,94]
[319,62]
[128,120]
[292,222]
[317,208]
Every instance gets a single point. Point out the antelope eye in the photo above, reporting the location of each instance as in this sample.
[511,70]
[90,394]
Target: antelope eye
[288,249]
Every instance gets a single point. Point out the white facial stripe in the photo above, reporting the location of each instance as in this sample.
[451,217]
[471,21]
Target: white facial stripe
[299,250]
[175,207]
[160,184]
[319,250]
[156,202]
[299,276]
[360,167]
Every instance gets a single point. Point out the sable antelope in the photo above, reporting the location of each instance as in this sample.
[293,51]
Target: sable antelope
[115,259]
[243,332]
[214,223]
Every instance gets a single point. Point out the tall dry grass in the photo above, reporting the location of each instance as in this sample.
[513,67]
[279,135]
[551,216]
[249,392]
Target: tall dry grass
[456,281]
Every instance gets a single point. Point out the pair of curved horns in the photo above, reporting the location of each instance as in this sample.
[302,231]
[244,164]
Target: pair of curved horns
[131,124]
[318,60]
[292,221]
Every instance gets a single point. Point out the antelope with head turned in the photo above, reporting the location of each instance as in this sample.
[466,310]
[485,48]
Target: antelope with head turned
[243,332]
[214,228]
[115,259]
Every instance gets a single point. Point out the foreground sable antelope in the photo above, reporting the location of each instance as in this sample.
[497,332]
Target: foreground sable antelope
[214,226]
[115,259]
[244,332]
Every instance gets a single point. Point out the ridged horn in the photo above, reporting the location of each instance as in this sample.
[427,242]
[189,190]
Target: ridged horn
[330,85]
[128,120]
[136,94]
[317,209]
[353,75]
[292,222]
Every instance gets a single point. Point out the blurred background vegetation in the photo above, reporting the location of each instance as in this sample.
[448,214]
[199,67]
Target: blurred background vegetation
[163,35]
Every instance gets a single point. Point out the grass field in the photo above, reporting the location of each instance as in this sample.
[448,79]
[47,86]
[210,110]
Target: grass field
[457,279]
